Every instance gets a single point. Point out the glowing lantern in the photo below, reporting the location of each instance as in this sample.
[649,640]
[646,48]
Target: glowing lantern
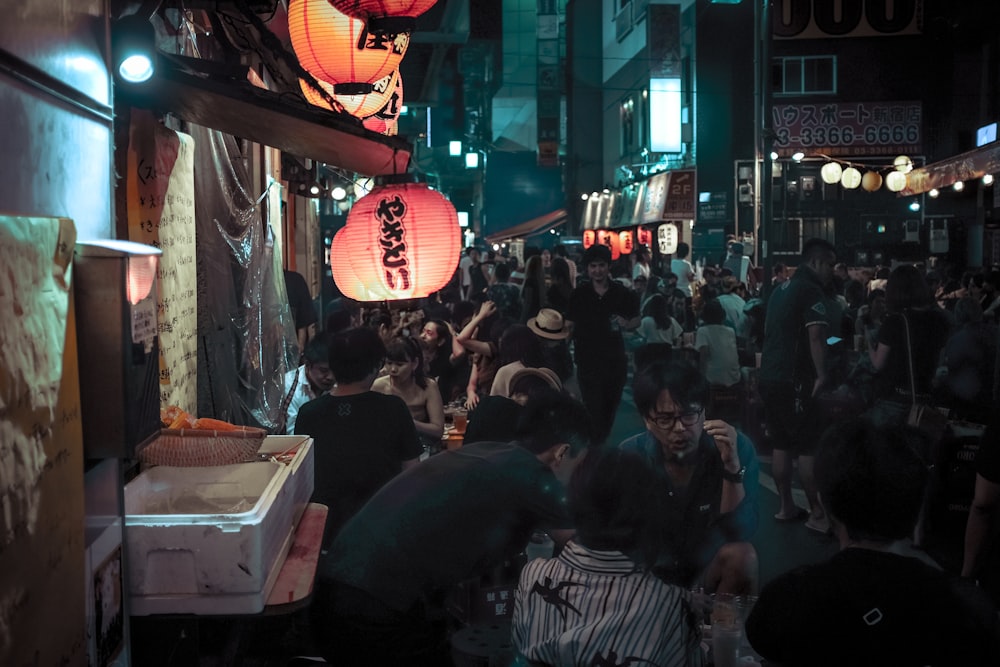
[359,106]
[895,181]
[903,164]
[851,178]
[403,240]
[339,49]
[871,181]
[385,15]
[644,236]
[612,241]
[666,236]
[589,237]
[384,121]
[343,272]
[831,172]
[625,242]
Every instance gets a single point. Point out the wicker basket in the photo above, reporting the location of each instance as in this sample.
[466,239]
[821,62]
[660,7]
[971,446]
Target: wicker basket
[197,447]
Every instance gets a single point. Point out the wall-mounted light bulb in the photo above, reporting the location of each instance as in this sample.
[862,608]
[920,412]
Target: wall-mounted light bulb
[988,179]
[959,186]
[933,193]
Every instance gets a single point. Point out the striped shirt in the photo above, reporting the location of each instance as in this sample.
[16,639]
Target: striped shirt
[591,607]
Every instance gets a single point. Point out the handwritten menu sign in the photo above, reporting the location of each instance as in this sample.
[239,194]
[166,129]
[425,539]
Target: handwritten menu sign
[161,214]
[41,448]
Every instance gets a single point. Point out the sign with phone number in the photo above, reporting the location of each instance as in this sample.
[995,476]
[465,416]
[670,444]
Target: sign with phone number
[859,128]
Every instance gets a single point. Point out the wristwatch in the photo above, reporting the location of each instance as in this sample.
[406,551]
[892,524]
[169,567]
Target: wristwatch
[734,477]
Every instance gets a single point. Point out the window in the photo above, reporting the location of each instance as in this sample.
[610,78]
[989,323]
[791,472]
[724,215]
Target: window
[805,75]
[788,234]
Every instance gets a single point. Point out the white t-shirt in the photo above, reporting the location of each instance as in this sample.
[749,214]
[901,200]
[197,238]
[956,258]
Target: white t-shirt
[682,269]
[640,270]
[647,329]
[723,365]
[464,265]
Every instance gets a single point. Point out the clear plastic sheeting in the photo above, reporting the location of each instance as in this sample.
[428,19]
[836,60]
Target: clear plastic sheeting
[246,333]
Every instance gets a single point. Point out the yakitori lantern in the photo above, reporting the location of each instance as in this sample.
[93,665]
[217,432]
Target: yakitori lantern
[346,279]
[589,238]
[895,181]
[339,49]
[831,172]
[625,242]
[871,181]
[644,236]
[404,239]
[851,178]
[361,105]
[385,15]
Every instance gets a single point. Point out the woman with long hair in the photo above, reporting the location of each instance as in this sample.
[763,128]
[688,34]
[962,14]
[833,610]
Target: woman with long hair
[913,330]
[440,357]
[404,361]
[561,285]
[519,348]
[533,293]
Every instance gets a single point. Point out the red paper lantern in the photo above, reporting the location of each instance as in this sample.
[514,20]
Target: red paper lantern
[384,121]
[339,49]
[644,236]
[343,272]
[359,106]
[625,242]
[615,245]
[589,236]
[402,242]
[385,15]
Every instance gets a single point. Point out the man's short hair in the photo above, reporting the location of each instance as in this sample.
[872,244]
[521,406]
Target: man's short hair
[317,350]
[712,313]
[551,418]
[817,249]
[687,386]
[871,478]
[356,353]
[502,272]
[596,253]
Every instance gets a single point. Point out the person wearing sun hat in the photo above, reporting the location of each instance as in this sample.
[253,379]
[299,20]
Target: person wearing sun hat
[552,328]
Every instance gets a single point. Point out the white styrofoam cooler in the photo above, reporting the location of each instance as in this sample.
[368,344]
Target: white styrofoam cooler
[210,540]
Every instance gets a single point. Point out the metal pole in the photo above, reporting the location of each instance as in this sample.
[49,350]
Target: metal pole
[762,212]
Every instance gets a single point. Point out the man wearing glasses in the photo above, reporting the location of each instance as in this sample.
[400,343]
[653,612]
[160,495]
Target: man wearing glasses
[711,473]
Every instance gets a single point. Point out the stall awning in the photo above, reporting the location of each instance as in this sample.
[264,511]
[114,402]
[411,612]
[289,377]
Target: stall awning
[963,167]
[230,104]
[533,227]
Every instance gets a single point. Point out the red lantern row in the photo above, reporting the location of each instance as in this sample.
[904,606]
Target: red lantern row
[621,243]
[401,241]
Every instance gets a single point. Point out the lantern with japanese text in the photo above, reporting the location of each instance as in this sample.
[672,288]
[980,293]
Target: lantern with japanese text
[361,105]
[385,120]
[625,241]
[589,237]
[385,15]
[344,276]
[403,239]
[644,236]
[666,237]
[339,49]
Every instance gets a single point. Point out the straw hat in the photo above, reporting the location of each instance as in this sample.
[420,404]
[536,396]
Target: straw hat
[546,374]
[549,323]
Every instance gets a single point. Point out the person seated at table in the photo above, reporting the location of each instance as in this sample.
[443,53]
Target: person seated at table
[718,357]
[519,348]
[495,417]
[583,607]
[869,605]
[711,474]
[404,361]
[361,439]
[381,586]
[308,381]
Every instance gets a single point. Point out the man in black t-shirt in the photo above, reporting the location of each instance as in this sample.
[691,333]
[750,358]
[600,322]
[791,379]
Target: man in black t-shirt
[453,517]
[599,310]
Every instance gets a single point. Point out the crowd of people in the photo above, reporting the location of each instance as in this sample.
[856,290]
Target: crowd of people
[540,357]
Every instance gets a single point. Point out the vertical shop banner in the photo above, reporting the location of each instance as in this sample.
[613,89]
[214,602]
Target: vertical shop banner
[663,35]
[41,448]
[161,214]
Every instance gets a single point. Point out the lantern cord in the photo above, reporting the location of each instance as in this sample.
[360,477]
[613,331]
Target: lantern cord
[856,165]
